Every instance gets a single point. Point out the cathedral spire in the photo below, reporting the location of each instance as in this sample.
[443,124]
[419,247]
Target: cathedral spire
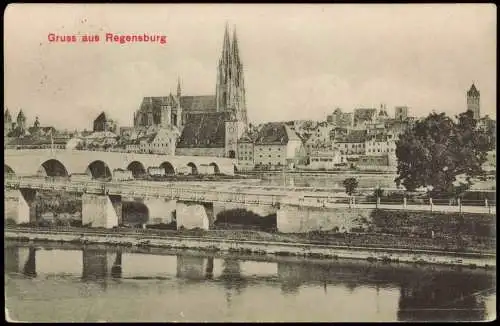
[179,87]
[226,47]
[235,50]
[230,88]
[6,115]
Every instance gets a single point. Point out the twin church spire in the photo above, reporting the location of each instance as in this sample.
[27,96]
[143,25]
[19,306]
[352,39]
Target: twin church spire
[230,89]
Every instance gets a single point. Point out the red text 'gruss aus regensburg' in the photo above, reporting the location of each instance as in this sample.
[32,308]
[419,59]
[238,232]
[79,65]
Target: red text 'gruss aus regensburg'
[108,38]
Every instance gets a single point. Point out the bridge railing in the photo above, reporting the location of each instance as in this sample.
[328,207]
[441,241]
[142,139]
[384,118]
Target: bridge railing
[149,190]
[197,194]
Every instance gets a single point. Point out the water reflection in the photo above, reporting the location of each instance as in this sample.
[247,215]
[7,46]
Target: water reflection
[209,272]
[20,261]
[193,268]
[30,266]
[423,293]
[98,265]
[232,278]
[443,297]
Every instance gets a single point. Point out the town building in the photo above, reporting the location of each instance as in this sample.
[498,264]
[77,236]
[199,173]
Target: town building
[380,145]
[320,137]
[382,114]
[338,133]
[160,142]
[473,101]
[30,142]
[246,153]
[126,132]
[351,146]
[18,128]
[101,140]
[278,146]
[133,146]
[303,128]
[324,159]
[103,124]
[8,125]
[38,131]
[340,119]
[364,116]
[401,113]
[398,127]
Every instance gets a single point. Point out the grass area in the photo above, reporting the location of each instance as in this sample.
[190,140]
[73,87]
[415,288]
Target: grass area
[424,224]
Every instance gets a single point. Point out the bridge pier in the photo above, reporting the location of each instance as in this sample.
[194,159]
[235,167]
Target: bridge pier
[20,205]
[103,211]
[160,210]
[192,215]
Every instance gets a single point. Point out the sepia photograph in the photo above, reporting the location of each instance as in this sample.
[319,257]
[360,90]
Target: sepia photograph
[250,162]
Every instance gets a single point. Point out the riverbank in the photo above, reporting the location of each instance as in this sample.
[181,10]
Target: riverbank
[272,248]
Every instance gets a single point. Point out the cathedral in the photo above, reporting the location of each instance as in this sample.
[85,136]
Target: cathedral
[209,125]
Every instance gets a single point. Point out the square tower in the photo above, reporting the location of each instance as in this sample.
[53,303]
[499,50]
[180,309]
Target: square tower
[473,97]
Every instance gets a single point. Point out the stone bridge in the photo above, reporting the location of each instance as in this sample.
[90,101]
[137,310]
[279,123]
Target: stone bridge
[105,164]
[194,207]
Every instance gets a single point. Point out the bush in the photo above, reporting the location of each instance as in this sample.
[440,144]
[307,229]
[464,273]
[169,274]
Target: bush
[245,219]
[163,226]
[10,221]
[75,223]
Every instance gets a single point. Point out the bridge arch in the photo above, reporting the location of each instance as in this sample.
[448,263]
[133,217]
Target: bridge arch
[135,212]
[169,168]
[193,167]
[7,170]
[99,169]
[216,167]
[137,169]
[53,168]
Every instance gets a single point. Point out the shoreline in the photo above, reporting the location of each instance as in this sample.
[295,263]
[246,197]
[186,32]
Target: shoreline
[260,248]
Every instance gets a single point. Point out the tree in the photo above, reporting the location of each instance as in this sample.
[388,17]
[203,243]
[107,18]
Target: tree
[378,192]
[350,185]
[438,149]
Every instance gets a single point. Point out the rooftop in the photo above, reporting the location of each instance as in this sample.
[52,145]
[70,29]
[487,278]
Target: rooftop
[354,136]
[276,134]
[473,91]
[204,130]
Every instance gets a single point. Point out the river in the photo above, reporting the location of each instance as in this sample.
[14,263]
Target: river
[71,283]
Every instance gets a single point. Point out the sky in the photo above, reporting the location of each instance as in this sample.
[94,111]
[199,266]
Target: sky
[300,61]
